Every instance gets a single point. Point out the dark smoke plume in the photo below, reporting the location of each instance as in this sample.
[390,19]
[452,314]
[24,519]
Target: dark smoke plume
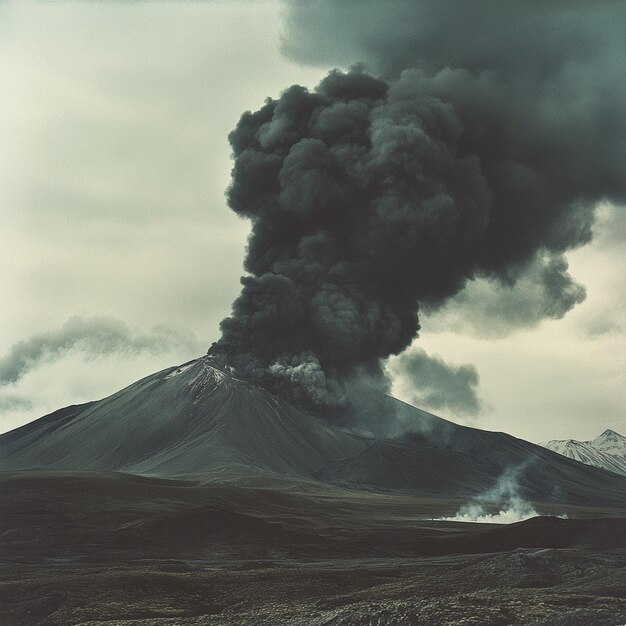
[431,383]
[371,195]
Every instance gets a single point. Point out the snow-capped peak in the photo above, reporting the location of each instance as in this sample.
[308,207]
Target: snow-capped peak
[611,442]
[607,451]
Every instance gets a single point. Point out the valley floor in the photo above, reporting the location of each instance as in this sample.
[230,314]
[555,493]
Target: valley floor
[92,548]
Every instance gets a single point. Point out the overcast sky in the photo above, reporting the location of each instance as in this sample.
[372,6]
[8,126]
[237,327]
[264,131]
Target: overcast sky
[120,256]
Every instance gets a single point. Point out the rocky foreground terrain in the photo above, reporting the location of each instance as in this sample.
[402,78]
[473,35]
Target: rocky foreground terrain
[105,548]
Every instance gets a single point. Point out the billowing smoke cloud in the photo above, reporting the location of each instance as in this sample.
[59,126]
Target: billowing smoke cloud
[93,336]
[480,152]
[431,383]
[488,309]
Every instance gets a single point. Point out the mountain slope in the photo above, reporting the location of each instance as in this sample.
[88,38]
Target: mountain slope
[607,451]
[184,420]
[197,421]
[458,460]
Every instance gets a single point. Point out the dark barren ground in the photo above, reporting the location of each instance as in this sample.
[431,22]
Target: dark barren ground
[107,548]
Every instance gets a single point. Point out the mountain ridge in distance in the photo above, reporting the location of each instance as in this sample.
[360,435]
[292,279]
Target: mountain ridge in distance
[197,421]
[607,451]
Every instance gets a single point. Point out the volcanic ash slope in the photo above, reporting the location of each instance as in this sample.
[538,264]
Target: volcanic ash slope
[197,421]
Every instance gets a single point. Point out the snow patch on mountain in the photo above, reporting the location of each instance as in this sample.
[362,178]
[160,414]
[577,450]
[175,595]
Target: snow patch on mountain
[179,370]
[607,451]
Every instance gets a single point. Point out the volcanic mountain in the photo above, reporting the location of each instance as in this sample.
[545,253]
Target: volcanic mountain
[607,451]
[198,421]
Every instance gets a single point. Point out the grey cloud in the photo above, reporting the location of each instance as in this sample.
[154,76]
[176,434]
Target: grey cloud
[602,324]
[12,402]
[93,336]
[521,38]
[560,291]
[431,383]
[487,308]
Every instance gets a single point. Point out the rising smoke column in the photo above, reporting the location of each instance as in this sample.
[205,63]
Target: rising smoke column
[360,203]
[371,195]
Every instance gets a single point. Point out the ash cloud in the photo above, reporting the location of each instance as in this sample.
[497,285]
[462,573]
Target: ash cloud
[545,290]
[478,150]
[93,336]
[431,383]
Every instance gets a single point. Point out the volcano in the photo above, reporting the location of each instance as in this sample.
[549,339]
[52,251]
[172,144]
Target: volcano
[197,497]
[198,421]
